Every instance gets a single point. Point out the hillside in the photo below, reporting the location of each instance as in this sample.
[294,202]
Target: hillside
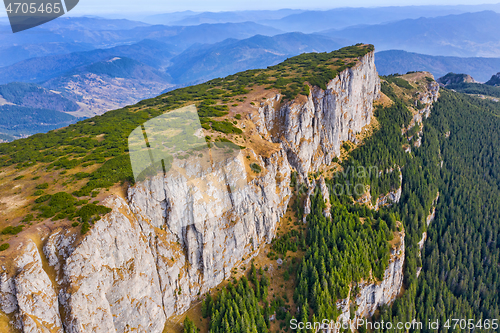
[28,109]
[227,93]
[109,84]
[19,121]
[32,95]
[396,61]
[40,69]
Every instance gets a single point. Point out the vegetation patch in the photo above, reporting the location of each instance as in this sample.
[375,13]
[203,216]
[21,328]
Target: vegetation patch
[255,167]
[10,230]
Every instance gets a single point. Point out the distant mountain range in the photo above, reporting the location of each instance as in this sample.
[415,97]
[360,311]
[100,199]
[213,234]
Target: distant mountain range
[194,18]
[464,35]
[308,21]
[40,69]
[396,61]
[81,33]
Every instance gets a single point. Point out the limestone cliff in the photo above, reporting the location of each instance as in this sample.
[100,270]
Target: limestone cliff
[313,129]
[167,242]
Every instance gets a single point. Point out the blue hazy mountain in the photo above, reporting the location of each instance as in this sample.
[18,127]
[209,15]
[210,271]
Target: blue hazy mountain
[397,61]
[464,35]
[34,96]
[151,53]
[203,62]
[193,18]
[17,121]
[339,18]
[72,34]
[11,54]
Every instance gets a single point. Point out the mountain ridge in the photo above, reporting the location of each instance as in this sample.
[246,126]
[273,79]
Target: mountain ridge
[398,61]
[466,35]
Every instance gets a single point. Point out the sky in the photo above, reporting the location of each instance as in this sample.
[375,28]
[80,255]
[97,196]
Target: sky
[86,7]
[134,7]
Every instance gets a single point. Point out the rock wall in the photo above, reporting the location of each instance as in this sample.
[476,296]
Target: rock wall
[313,129]
[30,295]
[428,98]
[168,242]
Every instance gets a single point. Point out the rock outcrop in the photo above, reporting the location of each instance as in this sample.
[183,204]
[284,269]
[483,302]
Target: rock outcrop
[312,130]
[427,97]
[30,294]
[168,242]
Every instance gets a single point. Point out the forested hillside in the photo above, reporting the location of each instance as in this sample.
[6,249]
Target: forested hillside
[459,278]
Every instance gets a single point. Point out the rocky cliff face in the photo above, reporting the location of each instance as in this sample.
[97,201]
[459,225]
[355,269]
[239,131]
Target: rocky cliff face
[167,241]
[312,130]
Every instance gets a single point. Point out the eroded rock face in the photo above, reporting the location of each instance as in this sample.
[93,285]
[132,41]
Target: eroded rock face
[494,81]
[168,242]
[30,294]
[313,130]
[198,239]
[110,280]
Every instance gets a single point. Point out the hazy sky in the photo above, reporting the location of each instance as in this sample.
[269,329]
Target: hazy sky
[149,6]
[138,7]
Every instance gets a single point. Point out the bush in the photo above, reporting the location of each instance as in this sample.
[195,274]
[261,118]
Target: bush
[4,246]
[225,127]
[28,218]
[91,211]
[43,198]
[255,168]
[305,90]
[10,230]
[43,186]
[402,83]
[85,228]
